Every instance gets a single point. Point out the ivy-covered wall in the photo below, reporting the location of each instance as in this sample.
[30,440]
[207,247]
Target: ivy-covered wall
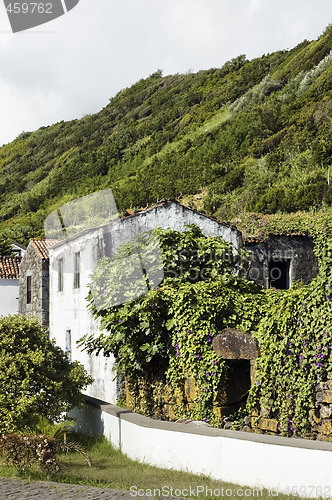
[163,341]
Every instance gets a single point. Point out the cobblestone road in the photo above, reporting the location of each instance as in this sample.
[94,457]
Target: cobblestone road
[16,489]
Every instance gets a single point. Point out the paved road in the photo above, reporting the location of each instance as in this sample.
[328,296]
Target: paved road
[16,489]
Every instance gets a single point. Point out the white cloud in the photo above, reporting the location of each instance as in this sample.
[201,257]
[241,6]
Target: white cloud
[74,64]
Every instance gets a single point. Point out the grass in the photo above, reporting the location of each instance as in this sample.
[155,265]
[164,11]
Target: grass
[112,469]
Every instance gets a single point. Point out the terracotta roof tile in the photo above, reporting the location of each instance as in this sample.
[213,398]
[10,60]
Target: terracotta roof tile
[42,247]
[9,267]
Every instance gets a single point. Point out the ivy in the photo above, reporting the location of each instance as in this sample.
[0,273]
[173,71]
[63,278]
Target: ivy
[167,334]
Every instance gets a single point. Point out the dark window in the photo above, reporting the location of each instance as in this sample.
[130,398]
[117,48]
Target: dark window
[60,275]
[279,274]
[29,283]
[77,266]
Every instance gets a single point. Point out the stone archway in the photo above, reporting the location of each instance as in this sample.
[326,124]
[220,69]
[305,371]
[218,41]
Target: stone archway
[239,350]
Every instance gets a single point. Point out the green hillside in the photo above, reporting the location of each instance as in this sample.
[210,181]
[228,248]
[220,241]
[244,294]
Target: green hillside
[251,136]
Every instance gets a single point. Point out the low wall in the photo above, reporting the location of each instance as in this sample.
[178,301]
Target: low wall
[252,460]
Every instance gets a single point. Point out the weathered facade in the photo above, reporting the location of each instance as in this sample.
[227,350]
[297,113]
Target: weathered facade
[281,260]
[34,281]
[72,262]
[9,285]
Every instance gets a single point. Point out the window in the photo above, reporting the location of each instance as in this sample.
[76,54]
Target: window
[29,283]
[279,274]
[77,266]
[60,275]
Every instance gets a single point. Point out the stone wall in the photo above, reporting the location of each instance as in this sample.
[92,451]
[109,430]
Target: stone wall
[297,249]
[32,265]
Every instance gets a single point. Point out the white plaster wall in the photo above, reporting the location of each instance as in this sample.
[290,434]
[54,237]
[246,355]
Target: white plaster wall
[68,311]
[9,293]
[175,217]
[246,460]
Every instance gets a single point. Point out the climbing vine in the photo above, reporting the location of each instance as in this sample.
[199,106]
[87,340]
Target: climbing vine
[294,336]
[166,335]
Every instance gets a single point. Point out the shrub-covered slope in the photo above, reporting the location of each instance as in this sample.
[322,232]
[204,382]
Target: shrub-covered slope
[249,136]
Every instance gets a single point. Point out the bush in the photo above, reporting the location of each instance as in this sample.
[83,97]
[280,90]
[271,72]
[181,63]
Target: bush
[25,452]
[36,377]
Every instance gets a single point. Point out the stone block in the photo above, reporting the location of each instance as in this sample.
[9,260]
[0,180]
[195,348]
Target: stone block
[327,385]
[326,428]
[325,412]
[190,389]
[324,396]
[268,424]
[235,344]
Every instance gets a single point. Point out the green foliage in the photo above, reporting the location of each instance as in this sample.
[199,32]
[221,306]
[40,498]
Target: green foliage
[178,135]
[5,248]
[294,336]
[168,331]
[37,378]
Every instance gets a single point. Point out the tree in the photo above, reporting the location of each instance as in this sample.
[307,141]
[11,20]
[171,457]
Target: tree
[5,247]
[36,377]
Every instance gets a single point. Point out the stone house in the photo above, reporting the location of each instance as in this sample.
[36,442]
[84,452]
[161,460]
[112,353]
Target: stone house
[34,280]
[9,285]
[279,261]
[72,262]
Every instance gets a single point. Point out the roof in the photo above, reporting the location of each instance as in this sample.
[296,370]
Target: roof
[18,245]
[9,267]
[42,247]
[254,240]
[167,201]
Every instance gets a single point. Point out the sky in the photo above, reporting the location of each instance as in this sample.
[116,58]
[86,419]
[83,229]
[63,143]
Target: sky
[74,64]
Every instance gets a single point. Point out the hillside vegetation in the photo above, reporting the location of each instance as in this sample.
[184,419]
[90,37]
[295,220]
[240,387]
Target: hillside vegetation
[251,136]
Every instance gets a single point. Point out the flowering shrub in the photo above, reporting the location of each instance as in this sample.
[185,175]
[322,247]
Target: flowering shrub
[25,452]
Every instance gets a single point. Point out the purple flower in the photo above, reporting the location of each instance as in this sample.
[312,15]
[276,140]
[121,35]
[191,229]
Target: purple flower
[324,332]
[189,331]
[258,383]
[322,355]
[289,343]
[214,373]
[300,357]
[105,292]
[292,428]
[194,343]
[203,389]
[157,288]
[316,356]
[206,420]
[207,374]
[120,320]
[214,362]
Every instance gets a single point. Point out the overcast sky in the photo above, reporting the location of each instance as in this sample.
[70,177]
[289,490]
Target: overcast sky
[72,66]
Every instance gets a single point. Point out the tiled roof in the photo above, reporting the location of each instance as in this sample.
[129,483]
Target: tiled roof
[9,267]
[42,247]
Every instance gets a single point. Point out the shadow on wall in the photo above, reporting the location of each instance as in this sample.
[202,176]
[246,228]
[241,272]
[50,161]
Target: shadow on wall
[89,419]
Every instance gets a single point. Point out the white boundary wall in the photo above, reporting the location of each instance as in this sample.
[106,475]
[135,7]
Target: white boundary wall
[252,460]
